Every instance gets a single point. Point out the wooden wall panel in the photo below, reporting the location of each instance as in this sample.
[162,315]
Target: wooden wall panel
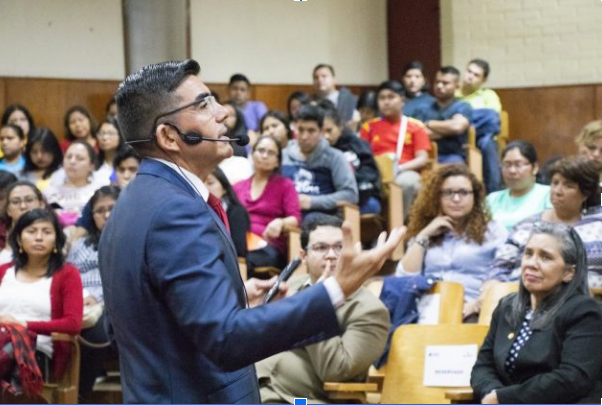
[49,99]
[549,117]
[598,103]
[2,95]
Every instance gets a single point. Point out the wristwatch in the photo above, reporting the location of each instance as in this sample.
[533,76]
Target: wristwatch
[422,241]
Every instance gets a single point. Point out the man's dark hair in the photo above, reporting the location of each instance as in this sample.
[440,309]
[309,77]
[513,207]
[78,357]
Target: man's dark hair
[483,64]
[239,77]
[311,113]
[449,70]
[324,65]
[20,258]
[148,93]
[330,111]
[316,220]
[123,154]
[392,85]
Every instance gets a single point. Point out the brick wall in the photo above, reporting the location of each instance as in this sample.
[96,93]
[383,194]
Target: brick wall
[527,42]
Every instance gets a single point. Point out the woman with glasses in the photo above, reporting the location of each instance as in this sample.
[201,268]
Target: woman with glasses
[21,197]
[272,204]
[523,197]
[110,142]
[451,234]
[545,341]
[39,290]
[84,256]
[574,180]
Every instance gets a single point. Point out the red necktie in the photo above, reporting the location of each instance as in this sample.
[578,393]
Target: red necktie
[216,205]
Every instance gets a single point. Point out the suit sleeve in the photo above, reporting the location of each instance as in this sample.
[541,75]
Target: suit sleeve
[484,377]
[579,367]
[188,270]
[239,226]
[350,355]
[344,184]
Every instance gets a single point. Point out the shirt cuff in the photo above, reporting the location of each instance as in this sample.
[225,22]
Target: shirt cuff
[335,292]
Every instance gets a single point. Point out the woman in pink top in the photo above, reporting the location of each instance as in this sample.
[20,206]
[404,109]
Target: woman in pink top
[271,201]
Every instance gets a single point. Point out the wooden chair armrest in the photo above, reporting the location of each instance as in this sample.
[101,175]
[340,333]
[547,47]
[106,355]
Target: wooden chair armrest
[350,387]
[291,228]
[346,204]
[459,394]
[63,337]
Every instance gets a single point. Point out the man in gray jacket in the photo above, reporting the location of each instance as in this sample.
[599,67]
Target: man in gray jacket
[321,174]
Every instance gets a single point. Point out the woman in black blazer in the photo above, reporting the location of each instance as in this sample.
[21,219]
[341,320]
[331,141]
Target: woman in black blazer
[545,342]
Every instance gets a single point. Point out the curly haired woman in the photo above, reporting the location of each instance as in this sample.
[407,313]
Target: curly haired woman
[451,235]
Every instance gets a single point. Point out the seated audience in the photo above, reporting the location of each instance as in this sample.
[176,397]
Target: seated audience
[12,143]
[410,152]
[416,86]
[79,125]
[589,141]
[302,372]
[111,109]
[21,197]
[20,116]
[544,342]
[367,106]
[486,108]
[359,156]
[321,174]
[43,157]
[71,195]
[235,122]
[271,202]
[447,119]
[240,94]
[110,142]
[126,164]
[275,124]
[238,219]
[6,179]
[523,197]
[325,87]
[293,104]
[39,290]
[84,256]
[574,180]
[451,234]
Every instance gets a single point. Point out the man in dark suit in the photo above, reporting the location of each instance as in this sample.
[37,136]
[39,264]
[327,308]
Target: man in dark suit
[172,286]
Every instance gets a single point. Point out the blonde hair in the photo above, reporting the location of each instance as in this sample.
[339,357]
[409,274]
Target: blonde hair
[590,132]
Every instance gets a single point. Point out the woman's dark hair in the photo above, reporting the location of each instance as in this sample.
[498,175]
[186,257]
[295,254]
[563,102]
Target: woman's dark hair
[15,128]
[89,149]
[21,183]
[82,110]
[94,233]
[580,170]
[415,64]
[239,77]
[6,179]
[573,254]
[18,107]
[368,100]
[20,258]
[278,146]
[229,194]
[125,153]
[120,146]
[303,98]
[526,149]
[46,138]
[279,115]
[239,130]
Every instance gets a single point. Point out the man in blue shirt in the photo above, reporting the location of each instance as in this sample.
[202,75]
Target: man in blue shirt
[447,119]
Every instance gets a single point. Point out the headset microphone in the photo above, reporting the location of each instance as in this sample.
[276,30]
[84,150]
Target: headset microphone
[192,138]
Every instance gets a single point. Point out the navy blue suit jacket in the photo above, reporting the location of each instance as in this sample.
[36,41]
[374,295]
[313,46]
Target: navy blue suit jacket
[176,301]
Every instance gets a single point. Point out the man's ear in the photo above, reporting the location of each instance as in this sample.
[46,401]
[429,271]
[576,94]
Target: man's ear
[535,169]
[165,137]
[302,254]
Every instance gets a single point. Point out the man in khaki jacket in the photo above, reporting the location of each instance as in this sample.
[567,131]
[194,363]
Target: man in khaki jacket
[301,373]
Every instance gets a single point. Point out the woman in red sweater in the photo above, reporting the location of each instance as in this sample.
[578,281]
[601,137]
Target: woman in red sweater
[38,290]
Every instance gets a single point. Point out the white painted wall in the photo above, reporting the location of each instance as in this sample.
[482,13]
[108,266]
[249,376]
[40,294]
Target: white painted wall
[61,39]
[280,41]
[527,42]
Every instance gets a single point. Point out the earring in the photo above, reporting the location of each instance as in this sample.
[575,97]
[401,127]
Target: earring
[20,249]
[55,251]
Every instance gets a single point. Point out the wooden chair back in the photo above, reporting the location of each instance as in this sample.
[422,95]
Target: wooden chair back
[403,382]
[65,391]
[492,296]
[452,301]
[473,154]
[504,136]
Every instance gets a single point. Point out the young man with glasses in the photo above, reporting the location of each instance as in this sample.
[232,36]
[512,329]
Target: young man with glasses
[180,311]
[302,372]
